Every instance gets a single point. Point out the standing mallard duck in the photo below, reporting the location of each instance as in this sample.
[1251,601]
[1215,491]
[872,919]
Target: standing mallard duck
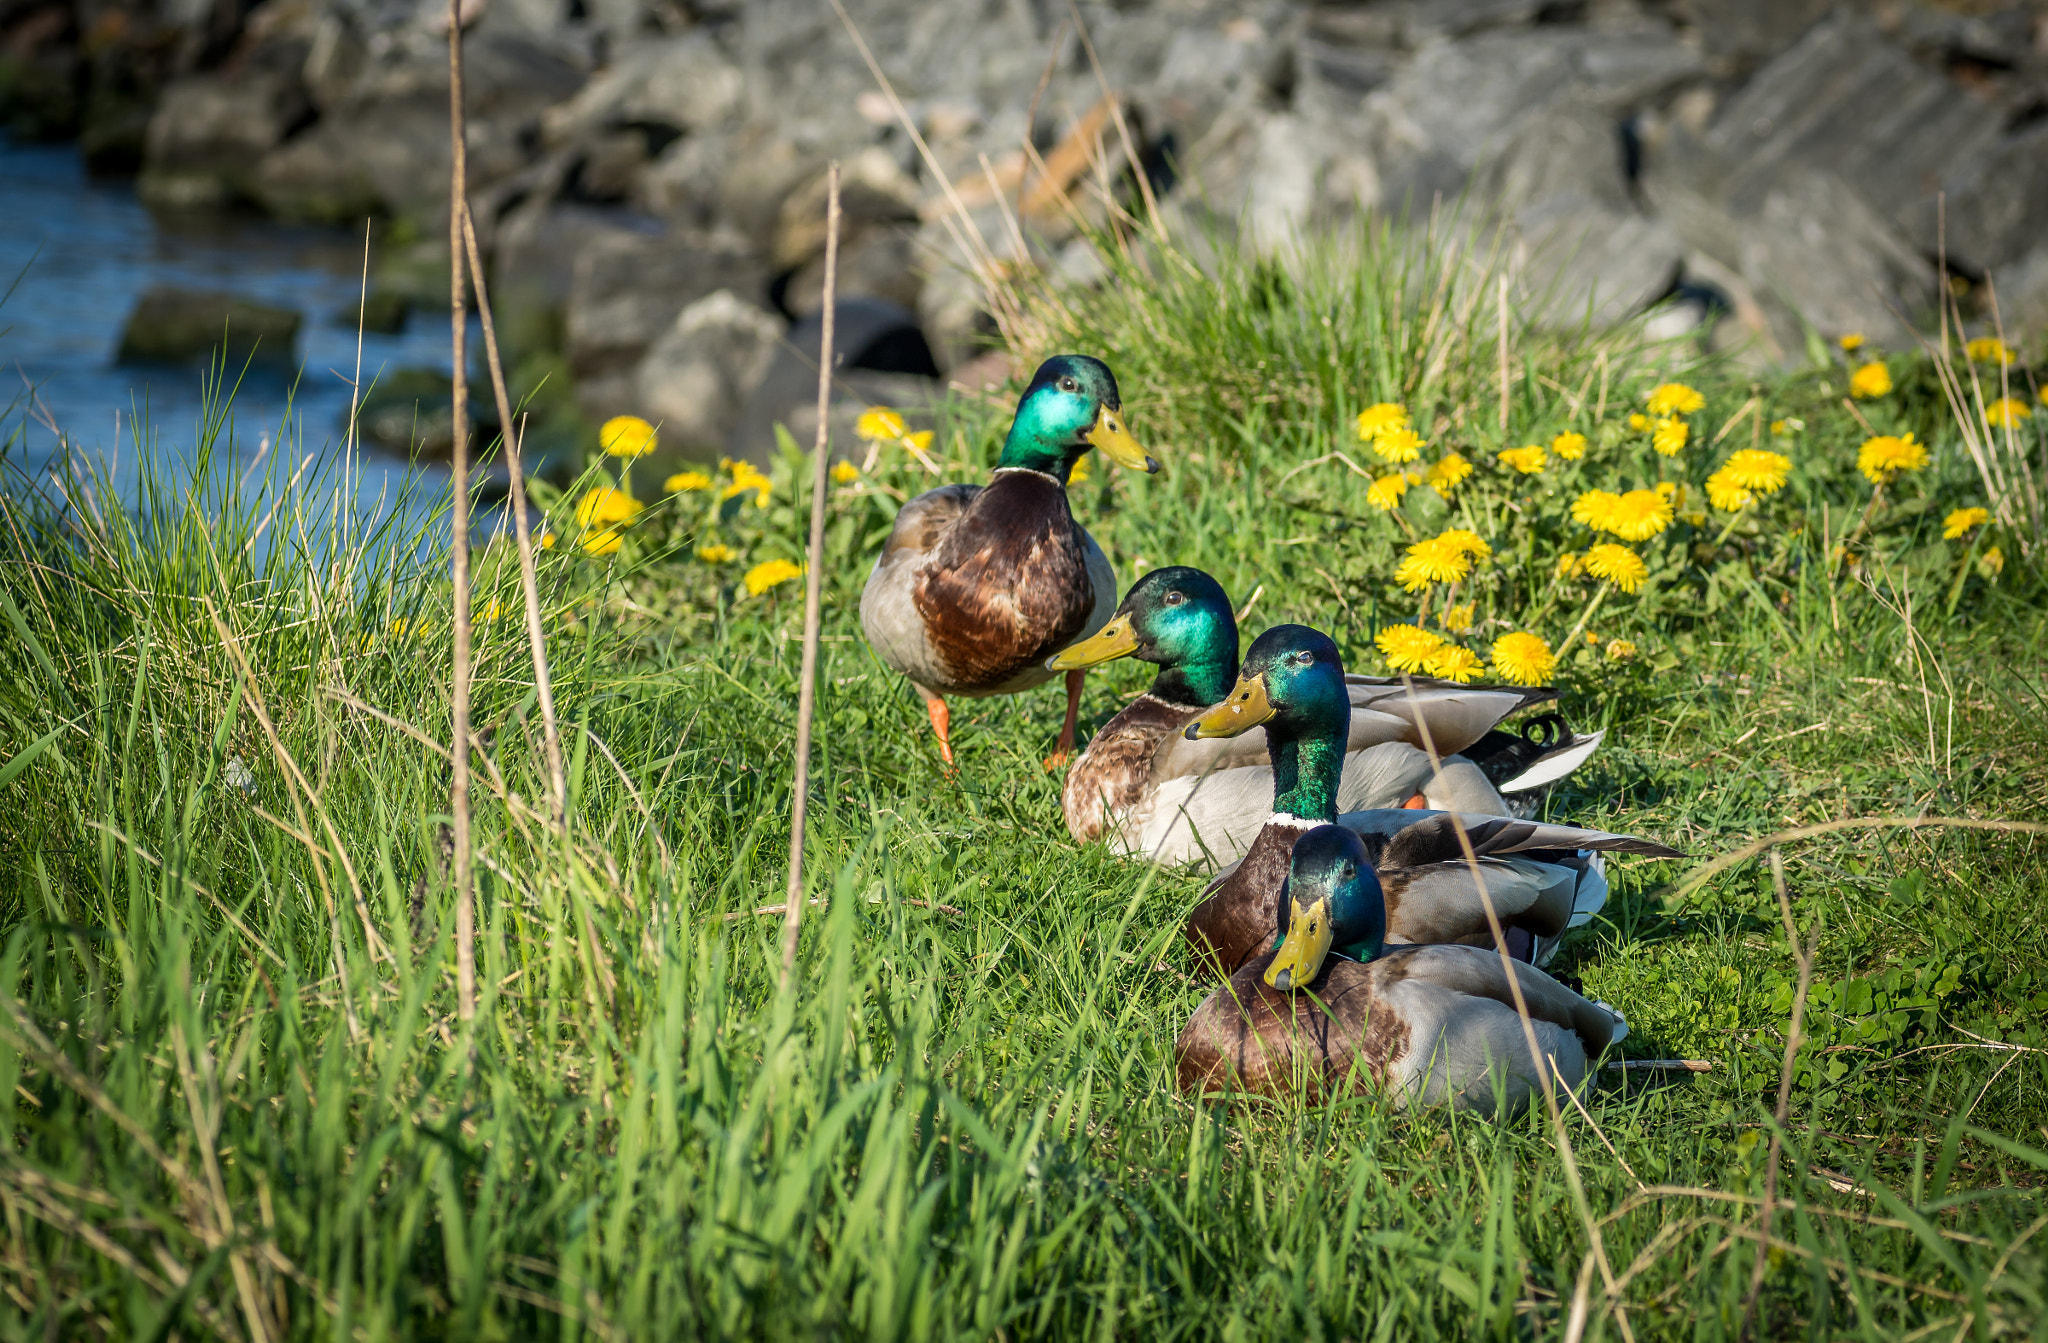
[1330,1008]
[1541,878]
[1172,800]
[978,585]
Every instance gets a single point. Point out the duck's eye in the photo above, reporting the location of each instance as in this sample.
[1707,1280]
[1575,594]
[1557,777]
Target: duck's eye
[1069,385]
[1304,658]
[1174,599]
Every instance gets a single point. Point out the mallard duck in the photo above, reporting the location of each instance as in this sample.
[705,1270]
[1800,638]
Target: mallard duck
[1541,878]
[1153,792]
[1329,1008]
[978,585]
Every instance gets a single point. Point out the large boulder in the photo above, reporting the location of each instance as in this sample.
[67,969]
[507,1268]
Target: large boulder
[210,130]
[879,355]
[1995,201]
[673,86]
[697,378]
[171,325]
[628,289]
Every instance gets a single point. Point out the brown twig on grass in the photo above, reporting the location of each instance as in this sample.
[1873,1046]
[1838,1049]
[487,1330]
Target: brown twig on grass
[807,683]
[1785,1072]
[458,470]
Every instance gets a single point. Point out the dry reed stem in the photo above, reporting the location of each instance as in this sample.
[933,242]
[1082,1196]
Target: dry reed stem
[458,696]
[522,530]
[814,577]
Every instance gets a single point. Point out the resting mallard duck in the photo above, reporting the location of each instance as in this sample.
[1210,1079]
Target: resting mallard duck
[1541,878]
[1154,792]
[1332,1009]
[978,585]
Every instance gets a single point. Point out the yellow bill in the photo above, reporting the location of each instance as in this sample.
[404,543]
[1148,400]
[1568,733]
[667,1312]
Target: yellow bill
[1304,949]
[1116,442]
[1244,709]
[1114,640]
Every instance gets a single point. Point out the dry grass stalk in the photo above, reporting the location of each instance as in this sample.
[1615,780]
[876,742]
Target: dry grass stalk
[458,698]
[807,684]
[1804,955]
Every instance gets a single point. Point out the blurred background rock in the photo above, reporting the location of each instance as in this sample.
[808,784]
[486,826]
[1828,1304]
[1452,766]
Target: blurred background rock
[648,174]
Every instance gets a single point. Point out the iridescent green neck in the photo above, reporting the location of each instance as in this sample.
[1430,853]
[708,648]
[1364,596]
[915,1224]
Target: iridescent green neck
[1305,773]
[1202,681]
[1036,445]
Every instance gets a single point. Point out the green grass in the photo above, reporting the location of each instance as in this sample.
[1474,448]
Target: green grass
[233,1112]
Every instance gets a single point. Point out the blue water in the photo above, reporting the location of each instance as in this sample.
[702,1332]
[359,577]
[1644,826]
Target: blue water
[85,250]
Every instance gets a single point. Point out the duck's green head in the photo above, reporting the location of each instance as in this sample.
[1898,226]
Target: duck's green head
[1178,618]
[1332,902]
[1292,681]
[1071,406]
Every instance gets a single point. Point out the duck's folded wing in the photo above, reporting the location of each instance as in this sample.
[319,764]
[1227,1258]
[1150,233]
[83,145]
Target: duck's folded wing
[1418,838]
[1446,902]
[1456,715]
[1477,972]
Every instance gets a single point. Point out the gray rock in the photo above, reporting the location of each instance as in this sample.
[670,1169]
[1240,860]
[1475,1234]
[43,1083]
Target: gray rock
[630,286]
[866,333]
[685,84]
[1818,256]
[1996,203]
[698,377]
[208,132]
[177,325]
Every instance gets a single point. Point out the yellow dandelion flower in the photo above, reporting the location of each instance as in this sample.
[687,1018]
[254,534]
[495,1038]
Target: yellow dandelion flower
[1529,459]
[1523,659]
[1728,494]
[1618,565]
[746,476]
[492,610]
[2007,412]
[604,541]
[1885,456]
[921,440]
[682,482]
[1386,492]
[1570,446]
[1670,437]
[547,540]
[1756,469]
[713,552]
[1407,648]
[1787,427]
[845,472]
[1458,619]
[1376,420]
[605,505]
[1637,515]
[1991,563]
[878,424]
[1639,422]
[1432,561]
[767,574]
[1674,398]
[1851,342]
[1595,508]
[1620,650]
[1453,663]
[626,436]
[415,629]
[1988,350]
[1569,565]
[1961,522]
[1871,379]
[1398,445]
[1466,540]
[1445,475]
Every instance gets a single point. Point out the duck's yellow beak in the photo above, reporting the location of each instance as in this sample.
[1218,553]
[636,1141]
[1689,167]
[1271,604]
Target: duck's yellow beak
[1244,709]
[1305,948]
[1114,640]
[1116,442]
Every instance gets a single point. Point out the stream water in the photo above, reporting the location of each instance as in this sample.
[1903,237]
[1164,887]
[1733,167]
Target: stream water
[79,252]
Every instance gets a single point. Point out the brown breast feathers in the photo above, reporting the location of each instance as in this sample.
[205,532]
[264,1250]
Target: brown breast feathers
[1323,1042]
[1241,917]
[1113,772]
[1008,585]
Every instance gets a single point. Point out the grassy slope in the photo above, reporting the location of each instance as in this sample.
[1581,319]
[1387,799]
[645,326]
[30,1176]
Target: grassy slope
[962,1123]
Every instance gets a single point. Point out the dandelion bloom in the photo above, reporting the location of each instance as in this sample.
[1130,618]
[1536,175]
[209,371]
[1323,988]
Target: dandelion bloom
[1756,469]
[1569,445]
[1453,663]
[1989,350]
[1436,560]
[1959,523]
[626,436]
[1639,422]
[713,552]
[547,540]
[1885,456]
[1618,565]
[2007,412]
[605,505]
[767,574]
[1787,426]
[746,476]
[1638,515]
[1445,475]
[1399,445]
[1670,437]
[1458,619]
[1991,563]
[1466,540]
[1569,565]
[1871,379]
[878,423]
[603,541]
[682,482]
[1674,398]
[1619,650]
[1594,508]
[1523,659]
[1386,492]
[1529,460]
[492,610]
[1728,494]
[845,472]
[1851,342]
[1406,647]
[1376,420]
